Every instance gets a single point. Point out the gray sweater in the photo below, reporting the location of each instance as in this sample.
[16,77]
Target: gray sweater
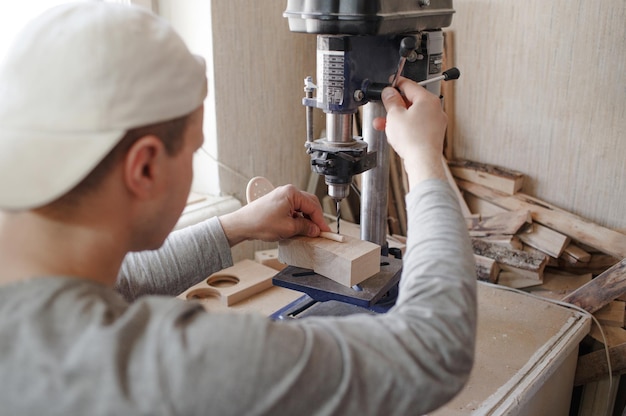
[72,347]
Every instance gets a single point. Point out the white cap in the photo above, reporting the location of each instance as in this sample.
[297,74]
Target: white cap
[76,79]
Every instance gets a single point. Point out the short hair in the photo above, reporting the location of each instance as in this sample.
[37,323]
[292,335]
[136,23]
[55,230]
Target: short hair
[170,133]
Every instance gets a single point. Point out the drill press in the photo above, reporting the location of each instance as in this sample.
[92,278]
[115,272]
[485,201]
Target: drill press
[361,48]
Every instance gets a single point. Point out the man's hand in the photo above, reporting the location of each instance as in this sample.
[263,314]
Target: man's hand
[282,213]
[415,128]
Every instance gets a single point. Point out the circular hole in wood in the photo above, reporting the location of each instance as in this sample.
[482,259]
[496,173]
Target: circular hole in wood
[203,294]
[222,280]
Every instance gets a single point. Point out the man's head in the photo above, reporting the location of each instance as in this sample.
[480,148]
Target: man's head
[78,80]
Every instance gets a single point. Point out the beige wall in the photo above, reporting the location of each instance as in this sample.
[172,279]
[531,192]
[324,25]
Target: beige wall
[258,85]
[543,91]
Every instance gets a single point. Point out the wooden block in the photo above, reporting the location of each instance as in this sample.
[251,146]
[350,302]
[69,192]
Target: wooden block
[552,262]
[579,229]
[602,290]
[611,314]
[269,258]
[500,179]
[545,239]
[522,263]
[576,252]
[486,269]
[232,284]
[509,222]
[348,263]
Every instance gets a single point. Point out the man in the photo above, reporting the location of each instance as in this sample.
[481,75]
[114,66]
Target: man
[100,113]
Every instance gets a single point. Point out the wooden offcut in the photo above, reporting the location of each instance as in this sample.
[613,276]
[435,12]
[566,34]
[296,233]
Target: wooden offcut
[545,239]
[501,179]
[582,230]
[233,284]
[506,223]
[486,269]
[527,265]
[348,263]
[602,290]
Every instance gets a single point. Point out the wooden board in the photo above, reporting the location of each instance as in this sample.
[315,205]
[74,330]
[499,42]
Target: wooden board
[508,223]
[232,284]
[348,263]
[545,239]
[602,290]
[518,333]
[494,177]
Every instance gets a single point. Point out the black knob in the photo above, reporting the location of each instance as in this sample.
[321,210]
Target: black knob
[452,73]
[407,45]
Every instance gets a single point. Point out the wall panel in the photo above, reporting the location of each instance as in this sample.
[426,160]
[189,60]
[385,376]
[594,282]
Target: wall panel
[543,91]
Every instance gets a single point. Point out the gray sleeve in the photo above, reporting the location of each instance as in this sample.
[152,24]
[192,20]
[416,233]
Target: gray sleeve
[186,257]
[410,360]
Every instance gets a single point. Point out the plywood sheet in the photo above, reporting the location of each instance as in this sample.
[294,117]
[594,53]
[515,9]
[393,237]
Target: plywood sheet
[514,332]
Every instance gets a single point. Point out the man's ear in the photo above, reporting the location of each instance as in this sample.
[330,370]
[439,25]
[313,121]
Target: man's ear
[143,166]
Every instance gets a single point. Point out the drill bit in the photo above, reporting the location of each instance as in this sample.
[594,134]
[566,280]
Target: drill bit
[338,202]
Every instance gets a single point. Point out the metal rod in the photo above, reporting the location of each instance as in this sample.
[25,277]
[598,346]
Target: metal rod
[309,87]
[375,181]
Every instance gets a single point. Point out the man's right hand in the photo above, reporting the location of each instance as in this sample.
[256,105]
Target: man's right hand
[415,128]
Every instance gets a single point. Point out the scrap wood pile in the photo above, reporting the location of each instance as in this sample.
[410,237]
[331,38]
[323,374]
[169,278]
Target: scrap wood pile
[523,242]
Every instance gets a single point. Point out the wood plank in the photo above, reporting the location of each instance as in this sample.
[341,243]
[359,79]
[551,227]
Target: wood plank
[494,177]
[509,222]
[545,239]
[593,366]
[510,241]
[347,263]
[447,91]
[452,182]
[395,180]
[604,239]
[602,290]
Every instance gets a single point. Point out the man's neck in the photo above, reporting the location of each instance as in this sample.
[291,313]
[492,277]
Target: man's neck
[34,245]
